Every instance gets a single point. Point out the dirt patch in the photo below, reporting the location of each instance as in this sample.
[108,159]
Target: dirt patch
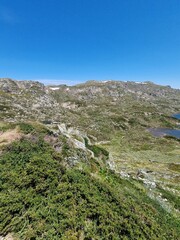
[9,136]
[50,139]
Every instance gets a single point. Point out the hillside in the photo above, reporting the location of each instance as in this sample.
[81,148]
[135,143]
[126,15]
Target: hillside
[78,162]
[30,99]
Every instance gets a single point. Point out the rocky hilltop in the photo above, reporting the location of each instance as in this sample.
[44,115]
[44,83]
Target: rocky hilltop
[32,100]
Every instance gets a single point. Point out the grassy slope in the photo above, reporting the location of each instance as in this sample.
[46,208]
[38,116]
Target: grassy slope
[41,199]
[123,122]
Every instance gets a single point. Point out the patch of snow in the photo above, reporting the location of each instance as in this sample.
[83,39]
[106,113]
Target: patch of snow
[54,88]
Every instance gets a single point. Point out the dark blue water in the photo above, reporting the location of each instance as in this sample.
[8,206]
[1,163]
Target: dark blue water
[160,132]
[177,115]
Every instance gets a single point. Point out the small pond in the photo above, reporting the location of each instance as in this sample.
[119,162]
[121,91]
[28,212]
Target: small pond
[160,132]
[177,115]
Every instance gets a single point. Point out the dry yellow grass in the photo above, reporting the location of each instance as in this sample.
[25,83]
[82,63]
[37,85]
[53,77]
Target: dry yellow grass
[9,136]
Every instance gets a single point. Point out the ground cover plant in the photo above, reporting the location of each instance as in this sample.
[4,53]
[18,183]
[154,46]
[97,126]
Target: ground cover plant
[42,199]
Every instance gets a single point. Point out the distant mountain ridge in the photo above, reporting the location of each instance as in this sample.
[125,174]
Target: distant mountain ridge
[28,97]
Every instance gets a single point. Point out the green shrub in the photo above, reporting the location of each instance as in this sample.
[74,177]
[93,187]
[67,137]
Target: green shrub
[26,128]
[41,199]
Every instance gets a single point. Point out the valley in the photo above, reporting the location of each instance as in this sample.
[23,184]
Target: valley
[81,157]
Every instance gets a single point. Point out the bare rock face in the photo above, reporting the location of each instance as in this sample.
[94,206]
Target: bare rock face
[62,129]
[8,85]
[22,100]
[7,237]
[13,86]
[76,139]
[31,85]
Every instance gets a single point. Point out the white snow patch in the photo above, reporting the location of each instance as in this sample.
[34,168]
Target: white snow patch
[54,88]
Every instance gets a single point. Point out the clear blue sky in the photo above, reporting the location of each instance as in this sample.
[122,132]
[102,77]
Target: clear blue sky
[69,41]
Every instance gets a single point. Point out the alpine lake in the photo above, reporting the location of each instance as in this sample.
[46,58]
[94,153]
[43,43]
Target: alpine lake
[160,132]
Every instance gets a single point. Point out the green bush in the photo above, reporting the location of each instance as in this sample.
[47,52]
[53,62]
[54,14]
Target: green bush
[41,199]
[26,128]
